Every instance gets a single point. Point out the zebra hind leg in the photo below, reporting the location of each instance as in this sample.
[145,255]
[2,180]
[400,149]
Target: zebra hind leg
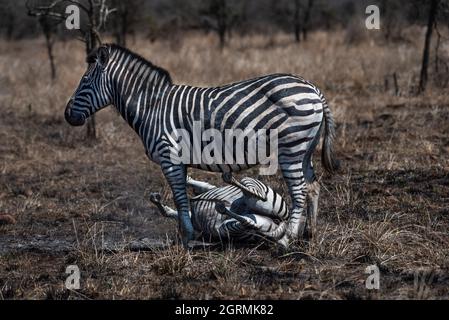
[313,195]
[298,218]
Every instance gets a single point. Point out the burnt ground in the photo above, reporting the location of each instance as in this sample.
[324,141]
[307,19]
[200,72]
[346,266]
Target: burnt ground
[86,203]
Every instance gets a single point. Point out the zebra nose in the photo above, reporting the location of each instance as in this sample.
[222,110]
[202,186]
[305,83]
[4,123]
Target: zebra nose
[68,110]
[73,118]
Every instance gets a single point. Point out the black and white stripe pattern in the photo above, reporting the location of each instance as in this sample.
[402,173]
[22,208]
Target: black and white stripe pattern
[155,107]
[230,213]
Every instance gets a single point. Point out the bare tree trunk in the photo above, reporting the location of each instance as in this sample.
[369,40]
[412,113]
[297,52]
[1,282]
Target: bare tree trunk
[222,35]
[121,22]
[125,24]
[49,42]
[437,49]
[48,30]
[396,85]
[387,24]
[222,24]
[10,23]
[123,28]
[425,59]
[305,27]
[297,22]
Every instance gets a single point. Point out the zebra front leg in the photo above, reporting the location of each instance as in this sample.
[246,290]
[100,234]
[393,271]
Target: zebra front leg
[166,211]
[176,178]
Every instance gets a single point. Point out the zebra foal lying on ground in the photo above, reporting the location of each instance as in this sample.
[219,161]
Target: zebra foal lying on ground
[246,210]
[155,107]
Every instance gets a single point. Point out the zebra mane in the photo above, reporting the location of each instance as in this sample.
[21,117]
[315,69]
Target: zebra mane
[163,73]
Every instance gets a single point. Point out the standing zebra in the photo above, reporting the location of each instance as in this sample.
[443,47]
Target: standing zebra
[245,211]
[154,107]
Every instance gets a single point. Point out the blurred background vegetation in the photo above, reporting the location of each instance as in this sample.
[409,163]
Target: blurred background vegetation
[158,19]
[171,21]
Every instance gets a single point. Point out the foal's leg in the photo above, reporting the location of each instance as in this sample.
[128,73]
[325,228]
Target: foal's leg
[228,178]
[166,211]
[261,225]
[199,186]
[244,220]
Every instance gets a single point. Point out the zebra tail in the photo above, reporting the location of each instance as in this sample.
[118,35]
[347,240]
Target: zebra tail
[330,162]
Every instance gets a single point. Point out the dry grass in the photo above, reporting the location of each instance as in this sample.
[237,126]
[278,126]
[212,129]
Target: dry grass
[388,206]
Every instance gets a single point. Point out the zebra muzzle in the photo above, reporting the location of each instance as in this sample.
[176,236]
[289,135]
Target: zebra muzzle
[72,117]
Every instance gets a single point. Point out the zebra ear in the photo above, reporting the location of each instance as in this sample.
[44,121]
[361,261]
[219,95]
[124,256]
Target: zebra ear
[103,56]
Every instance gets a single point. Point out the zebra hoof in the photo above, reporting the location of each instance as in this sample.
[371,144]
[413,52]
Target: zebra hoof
[186,241]
[227,177]
[284,243]
[186,230]
[155,197]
